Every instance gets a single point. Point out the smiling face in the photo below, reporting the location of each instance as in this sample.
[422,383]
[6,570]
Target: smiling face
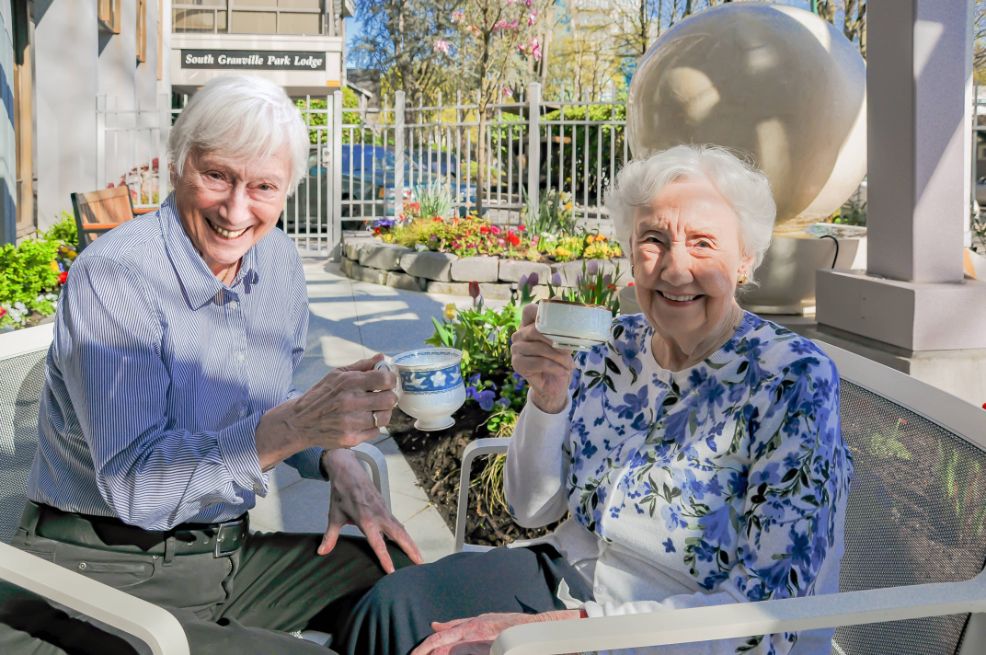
[687,256]
[227,205]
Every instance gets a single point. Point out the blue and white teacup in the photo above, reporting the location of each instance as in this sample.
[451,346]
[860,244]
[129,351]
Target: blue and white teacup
[429,385]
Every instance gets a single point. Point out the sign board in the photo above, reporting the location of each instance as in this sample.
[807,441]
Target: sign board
[286,60]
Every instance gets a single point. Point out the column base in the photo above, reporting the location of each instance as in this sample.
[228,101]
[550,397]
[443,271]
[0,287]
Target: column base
[911,316]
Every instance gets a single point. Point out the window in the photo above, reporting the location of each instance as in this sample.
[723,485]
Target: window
[109,15]
[141,31]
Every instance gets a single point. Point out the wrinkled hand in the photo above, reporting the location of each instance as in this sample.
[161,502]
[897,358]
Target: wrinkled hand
[547,369]
[356,500]
[337,412]
[474,636]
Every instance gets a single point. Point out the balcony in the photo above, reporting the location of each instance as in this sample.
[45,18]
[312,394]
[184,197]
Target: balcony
[282,17]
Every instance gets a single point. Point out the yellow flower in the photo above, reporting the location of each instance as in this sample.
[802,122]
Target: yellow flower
[54,266]
[590,239]
[450,311]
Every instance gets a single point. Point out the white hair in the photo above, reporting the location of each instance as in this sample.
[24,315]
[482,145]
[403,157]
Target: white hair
[744,187]
[242,117]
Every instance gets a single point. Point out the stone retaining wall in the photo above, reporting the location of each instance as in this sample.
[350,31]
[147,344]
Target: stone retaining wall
[371,260]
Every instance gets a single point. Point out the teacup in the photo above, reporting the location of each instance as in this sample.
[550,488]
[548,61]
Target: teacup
[429,385]
[571,325]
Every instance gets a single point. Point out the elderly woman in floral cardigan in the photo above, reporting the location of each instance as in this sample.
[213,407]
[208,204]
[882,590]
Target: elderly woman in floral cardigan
[698,453]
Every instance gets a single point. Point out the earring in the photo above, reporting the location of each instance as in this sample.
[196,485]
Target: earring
[742,279]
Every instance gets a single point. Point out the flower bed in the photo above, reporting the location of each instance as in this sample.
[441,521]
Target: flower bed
[32,274]
[495,394]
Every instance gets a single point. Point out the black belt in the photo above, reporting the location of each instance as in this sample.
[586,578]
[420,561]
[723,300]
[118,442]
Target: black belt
[110,533]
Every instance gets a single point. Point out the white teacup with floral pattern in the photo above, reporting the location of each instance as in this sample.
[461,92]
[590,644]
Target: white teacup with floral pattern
[429,385]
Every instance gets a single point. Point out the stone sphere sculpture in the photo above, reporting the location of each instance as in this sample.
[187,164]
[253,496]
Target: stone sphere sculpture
[776,84]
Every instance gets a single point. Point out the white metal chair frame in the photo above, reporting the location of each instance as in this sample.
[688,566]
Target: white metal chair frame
[153,625]
[768,617]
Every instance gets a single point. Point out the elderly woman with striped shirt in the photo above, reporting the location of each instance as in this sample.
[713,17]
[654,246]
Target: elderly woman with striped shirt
[168,398]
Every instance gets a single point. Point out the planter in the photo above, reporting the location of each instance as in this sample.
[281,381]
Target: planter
[786,278]
[371,260]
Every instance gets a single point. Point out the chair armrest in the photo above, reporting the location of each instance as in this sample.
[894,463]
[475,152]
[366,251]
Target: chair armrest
[153,625]
[375,462]
[473,450]
[745,619]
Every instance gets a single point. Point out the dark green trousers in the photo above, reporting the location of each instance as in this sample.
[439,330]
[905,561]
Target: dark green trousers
[245,602]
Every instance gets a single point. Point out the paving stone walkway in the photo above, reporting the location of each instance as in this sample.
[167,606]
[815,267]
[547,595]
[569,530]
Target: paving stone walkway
[351,320]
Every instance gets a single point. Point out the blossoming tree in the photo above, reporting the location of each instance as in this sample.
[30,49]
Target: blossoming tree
[497,43]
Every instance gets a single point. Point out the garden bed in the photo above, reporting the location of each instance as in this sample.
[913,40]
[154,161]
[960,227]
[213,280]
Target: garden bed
[371,260]
[436,459]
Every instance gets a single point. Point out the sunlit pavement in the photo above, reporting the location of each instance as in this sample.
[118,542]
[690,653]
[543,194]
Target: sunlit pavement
[351,320]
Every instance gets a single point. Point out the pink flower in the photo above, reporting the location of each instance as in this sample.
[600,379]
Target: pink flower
[458,15]
[505,25]
[495,229]
[442,46]
[507,92]
[532,18]
[535,50]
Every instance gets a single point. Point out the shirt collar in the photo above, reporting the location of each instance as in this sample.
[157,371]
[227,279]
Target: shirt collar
[197,281]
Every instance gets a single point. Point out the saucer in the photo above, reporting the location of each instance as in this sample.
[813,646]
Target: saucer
[574,344]
[434,425]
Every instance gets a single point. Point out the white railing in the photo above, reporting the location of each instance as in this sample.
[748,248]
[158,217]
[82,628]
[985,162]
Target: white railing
[131,148]
[531,147]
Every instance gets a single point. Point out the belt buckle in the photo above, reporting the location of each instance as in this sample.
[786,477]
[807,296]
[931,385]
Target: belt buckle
[226,540]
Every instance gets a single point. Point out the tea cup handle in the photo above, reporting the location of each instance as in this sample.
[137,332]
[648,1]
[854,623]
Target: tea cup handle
[388,364]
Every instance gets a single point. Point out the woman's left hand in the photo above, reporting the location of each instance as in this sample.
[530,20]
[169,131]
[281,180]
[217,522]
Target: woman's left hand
[474,636]
[356,500]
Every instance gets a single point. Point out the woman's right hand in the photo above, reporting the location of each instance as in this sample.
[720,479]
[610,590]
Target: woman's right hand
[547,369]
[337,412]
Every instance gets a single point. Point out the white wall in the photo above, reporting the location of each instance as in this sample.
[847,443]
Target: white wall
[8,145]
[76,62]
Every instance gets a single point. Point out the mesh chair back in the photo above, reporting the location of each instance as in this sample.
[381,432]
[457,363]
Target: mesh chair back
[917,514]
[23,377]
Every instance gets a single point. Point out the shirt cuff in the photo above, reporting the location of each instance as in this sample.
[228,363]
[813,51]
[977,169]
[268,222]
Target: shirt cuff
[238,445]
[539,421]
[308,463]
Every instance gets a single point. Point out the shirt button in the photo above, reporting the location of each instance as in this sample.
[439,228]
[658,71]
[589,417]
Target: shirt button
[240,357]
[234,305]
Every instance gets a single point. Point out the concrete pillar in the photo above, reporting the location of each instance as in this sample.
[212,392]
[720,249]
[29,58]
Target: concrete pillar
[919,84]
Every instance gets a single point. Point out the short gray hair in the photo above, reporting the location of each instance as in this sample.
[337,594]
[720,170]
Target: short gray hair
[744,187]
[243,117]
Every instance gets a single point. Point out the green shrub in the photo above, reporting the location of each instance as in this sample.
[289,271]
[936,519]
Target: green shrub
[435,200]
[32,272]
[584,143]
[554,215]
[318,116]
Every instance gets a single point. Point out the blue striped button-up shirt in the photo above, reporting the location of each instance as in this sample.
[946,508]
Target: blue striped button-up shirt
[159,373]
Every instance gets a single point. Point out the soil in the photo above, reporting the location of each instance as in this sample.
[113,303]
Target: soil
[436,459]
